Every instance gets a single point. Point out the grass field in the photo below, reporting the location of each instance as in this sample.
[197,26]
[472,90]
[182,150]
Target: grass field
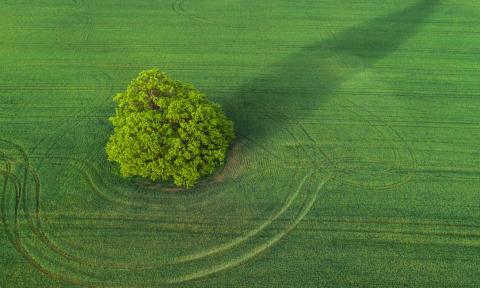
[357,161]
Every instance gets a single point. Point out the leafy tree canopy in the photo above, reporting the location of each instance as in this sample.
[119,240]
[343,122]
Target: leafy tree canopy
[167,130]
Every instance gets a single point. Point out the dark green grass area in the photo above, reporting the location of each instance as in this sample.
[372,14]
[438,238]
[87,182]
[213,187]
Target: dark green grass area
[357,161]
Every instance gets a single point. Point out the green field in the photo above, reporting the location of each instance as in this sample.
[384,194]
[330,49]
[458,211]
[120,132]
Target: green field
[356,162]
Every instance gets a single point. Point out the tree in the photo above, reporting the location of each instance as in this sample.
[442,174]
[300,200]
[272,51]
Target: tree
[167,130]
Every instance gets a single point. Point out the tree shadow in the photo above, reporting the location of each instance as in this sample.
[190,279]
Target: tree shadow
[309,77]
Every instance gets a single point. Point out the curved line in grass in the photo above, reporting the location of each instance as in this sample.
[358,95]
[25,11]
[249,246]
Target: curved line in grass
[259,249]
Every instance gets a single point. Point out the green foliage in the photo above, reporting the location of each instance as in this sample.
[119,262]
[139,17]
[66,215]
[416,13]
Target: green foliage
[165,129]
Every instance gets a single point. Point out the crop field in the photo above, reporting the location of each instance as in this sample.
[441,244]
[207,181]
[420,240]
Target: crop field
[356,161]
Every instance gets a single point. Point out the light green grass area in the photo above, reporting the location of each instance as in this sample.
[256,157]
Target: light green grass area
[357,161]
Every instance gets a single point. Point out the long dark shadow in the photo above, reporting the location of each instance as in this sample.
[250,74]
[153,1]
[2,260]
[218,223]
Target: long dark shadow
[309,77]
